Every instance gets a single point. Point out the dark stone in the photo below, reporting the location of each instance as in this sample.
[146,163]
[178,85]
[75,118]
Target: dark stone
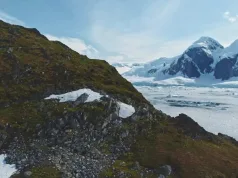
[231,139]
[224,68]
[165,170]
[152,71]
[191,70]
[189,126]
[201,59]
[187,67]
[81,99]
[193,62]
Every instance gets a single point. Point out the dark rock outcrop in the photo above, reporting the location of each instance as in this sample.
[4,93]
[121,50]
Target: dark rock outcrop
[50,139]
[204,56]
[196,60]
[226,68]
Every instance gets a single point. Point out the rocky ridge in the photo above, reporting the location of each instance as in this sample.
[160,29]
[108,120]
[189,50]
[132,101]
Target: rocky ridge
[51,139]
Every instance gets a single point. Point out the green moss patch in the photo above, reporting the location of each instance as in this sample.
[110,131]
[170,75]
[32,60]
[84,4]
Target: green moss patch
[33,67]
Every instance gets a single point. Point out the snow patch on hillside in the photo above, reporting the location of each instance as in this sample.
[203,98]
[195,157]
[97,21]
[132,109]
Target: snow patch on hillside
[72,96]
[6,170]
[125,110]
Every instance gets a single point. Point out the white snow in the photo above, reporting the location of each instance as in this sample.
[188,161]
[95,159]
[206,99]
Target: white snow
[125,67]
[211,102]
[6,170]
[125,110]
[210,46]
[159,64]
[141,76]
[231,50]
[72,96]
[206,80]
[207,42]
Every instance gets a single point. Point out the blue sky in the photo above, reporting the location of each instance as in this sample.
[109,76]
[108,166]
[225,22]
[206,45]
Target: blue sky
[127,30]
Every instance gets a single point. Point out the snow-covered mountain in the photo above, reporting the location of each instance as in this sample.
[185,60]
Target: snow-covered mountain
[125,67]
[204,57]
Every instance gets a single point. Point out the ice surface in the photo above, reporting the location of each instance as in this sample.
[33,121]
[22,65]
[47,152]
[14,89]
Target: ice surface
[72,96]
[206,80]
[6,170]
[125,110]
[213,108]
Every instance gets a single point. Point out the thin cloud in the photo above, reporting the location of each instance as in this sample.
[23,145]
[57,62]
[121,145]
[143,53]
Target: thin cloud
[115,59]
[137,44]
[231,18]
[10,19]
[76,44]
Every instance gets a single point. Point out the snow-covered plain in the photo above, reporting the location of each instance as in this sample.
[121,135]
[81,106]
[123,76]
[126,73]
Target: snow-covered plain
[215,109]
[179,80]
[6,170]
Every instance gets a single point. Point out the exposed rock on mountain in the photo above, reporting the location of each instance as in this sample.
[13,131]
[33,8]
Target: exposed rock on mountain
[64,115]
[204,57]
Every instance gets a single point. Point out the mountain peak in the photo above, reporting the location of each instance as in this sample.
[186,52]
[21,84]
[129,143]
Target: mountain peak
[234,45]
[231,50]
[205,39]
[207,42]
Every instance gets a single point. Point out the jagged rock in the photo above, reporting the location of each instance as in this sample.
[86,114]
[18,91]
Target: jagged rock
[165,171]
[27,174]
[192,62]
[228,138]
[204,57]
[86,139]
[225,68]
[81,99]
[189,126]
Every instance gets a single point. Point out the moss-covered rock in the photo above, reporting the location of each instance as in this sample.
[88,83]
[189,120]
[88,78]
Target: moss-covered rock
[40,172]
[32,67]
[48,138]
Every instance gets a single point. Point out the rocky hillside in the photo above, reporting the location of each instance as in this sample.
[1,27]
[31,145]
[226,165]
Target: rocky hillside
[205,56]
[64,115]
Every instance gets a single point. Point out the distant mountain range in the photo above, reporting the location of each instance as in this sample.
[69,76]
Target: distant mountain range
[205,56]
